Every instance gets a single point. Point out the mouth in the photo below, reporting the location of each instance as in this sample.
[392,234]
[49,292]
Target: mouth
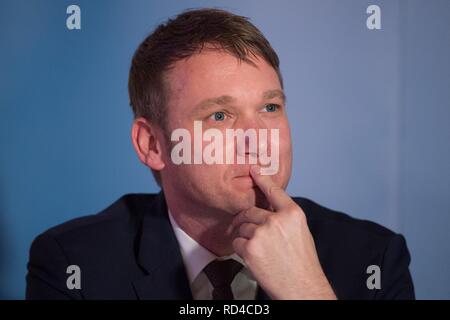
[244,180]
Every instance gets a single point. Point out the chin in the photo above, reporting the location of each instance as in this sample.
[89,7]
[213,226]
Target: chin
[242,200]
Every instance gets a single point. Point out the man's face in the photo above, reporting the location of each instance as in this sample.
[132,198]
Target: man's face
[217,89]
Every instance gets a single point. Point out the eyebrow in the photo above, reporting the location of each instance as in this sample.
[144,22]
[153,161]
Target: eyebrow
[225,99]
[207,103]
[271,94]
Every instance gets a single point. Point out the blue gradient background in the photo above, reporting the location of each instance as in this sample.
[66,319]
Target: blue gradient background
[369,113]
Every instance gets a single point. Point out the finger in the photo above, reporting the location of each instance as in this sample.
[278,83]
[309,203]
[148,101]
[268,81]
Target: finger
[239,246]
[247,230]
[253,215]
[276,196]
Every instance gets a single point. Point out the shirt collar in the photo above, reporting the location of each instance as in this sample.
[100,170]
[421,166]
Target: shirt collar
[195,256]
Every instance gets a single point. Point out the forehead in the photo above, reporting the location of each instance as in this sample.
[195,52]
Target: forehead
[213,73]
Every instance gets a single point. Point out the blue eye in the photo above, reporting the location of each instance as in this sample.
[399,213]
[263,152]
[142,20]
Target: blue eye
[271,107]
[218,116]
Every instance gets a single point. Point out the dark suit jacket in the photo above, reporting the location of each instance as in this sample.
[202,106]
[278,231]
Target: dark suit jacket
[129,251]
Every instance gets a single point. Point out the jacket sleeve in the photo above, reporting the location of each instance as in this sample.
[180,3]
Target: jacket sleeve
[46,278]
[396,281]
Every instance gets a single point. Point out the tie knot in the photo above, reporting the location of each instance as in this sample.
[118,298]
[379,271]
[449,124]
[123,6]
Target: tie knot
[221,273]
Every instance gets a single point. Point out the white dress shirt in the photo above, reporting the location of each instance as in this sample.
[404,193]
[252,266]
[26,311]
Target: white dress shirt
[197,257]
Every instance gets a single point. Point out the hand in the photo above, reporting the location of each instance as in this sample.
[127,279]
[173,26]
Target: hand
[278,247]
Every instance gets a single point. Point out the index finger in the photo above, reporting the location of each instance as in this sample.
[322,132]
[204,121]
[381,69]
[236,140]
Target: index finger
[276,196]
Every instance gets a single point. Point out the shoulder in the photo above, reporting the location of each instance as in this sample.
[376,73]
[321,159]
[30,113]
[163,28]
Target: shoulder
[116,223]
[127,208]
[101,245]
[347,247]
[332,223]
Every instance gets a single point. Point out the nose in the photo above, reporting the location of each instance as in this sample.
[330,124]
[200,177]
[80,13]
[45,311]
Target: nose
[254,137]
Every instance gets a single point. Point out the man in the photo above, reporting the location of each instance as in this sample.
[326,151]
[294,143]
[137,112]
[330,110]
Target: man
[217,230]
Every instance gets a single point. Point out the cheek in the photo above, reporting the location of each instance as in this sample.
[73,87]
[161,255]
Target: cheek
[285,151]
[286,147]
[285,139]
[202,175]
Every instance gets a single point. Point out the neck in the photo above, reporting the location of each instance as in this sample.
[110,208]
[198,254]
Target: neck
[211,230]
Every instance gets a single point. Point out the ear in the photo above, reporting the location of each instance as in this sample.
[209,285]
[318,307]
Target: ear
[146,139]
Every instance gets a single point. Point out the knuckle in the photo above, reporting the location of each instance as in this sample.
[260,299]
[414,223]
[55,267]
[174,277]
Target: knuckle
[273,220]
[252,248]
[292,207]
[235,244]
[241,228]
[273,189]
[294,212]
[300,215]
[257,232]
[247,214]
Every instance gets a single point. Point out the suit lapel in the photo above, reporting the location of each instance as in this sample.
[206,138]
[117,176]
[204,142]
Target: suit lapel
[261,294]
[160,257]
